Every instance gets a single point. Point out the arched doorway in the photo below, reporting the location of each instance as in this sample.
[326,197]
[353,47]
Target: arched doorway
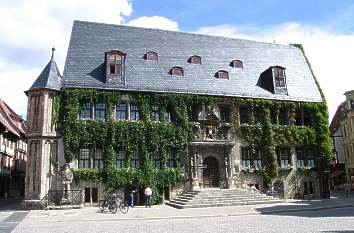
[211,172]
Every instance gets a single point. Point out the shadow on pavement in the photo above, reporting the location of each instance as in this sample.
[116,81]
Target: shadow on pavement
[11,204]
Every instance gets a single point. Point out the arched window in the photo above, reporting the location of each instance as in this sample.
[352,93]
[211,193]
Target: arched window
[236,64]
[222,74]
[177,71]
[151,56]
[195,59]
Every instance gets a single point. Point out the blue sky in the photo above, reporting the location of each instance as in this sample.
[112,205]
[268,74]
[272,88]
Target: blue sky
[29,28]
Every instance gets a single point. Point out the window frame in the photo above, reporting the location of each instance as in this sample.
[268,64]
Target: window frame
[151,56]
[120,111]
[236,64]
[223,74]
[135,161]
[120,159]
[177,71]
[134,112]
[100,108]
[154,114]
[84,162]
[195,59]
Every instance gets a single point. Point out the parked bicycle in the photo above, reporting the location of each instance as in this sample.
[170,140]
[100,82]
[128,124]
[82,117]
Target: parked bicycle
[114,203]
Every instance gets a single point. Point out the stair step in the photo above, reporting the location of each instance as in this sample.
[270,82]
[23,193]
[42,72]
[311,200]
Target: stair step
[220,197]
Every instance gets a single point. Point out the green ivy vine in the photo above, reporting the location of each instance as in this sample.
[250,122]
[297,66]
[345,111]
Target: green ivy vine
[268,136]
[144,137]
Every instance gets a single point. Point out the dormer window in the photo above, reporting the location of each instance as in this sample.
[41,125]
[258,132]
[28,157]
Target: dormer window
[177,71]
[115,66]
[279,76]
[151,56]
[236,64]
[195,60]
[222,74]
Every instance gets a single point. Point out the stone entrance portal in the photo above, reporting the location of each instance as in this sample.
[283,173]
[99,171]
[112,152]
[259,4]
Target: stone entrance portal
[211,175]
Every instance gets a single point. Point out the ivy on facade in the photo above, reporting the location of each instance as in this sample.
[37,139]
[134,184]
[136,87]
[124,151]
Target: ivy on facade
[144,137]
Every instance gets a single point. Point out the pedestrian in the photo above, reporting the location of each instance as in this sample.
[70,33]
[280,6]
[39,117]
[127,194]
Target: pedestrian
[347,189]
[148,195]
[306,193]
[132,197]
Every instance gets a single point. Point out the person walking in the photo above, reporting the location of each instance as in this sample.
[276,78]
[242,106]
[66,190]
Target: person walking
[347,189]
[132,197]
[148,195]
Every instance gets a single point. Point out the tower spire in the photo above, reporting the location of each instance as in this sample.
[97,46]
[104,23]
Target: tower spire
[52,58]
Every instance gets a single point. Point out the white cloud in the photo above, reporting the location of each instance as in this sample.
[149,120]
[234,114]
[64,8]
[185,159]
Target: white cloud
[331,55]
[159,22]
[29,28]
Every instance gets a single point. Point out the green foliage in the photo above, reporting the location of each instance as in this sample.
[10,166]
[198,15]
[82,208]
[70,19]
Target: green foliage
[266,136]
[144,137]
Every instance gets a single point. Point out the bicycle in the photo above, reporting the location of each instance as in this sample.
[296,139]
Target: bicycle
[110,203]
[114,203]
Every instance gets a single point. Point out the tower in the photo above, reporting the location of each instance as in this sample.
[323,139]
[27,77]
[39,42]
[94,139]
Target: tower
[43,140]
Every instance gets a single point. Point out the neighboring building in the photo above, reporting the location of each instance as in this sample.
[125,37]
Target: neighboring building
[338,172]
[142,107]
[347,125]
[13,154]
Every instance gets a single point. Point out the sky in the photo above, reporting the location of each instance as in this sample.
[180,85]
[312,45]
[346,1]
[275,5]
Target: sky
[30,28]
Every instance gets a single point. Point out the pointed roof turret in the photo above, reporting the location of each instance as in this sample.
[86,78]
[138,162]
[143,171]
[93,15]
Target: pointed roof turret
[50,77]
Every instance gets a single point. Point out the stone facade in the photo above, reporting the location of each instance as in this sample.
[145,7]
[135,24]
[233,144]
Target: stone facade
[347,126]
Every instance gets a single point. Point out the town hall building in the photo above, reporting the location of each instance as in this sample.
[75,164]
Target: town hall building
[175,111]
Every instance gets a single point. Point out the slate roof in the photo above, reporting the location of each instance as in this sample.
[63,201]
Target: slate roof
[11,121]
[85,62]
[50,77]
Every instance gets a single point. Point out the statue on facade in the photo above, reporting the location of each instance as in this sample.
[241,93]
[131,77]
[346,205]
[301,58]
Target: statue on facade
[66,178]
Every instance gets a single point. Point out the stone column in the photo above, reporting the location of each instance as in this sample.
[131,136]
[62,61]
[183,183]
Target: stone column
[195,180]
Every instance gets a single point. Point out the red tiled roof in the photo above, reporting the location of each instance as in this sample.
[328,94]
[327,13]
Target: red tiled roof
[335,121]
[13,122]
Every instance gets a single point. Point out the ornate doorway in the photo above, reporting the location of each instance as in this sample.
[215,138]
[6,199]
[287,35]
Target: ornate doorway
[211,173]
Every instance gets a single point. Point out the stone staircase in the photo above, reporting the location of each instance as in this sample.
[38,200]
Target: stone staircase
[220,197]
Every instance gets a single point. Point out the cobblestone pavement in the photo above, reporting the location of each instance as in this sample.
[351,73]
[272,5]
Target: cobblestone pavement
[331,215]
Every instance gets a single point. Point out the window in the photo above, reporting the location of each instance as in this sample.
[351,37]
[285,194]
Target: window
[122,111]
[303,117]
[135,160]
[310,158]
[222,74]
[115,63]
[97,159]
[224,113]
[151,56]
[283,116]
[284,157]
[154,114]
[300,156]
[134,113]
[177,71]
[279,76]
[257,114]
[84,158]
[120,159]
[156,161]
[258,159]
[194,113]
[246,157]
[236,64]
[273,116]
[171,160]
[167,117]
[100,111]
[244,115]
[195,59]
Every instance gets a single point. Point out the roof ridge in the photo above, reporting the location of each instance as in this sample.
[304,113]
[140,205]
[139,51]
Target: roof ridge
[186,33]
